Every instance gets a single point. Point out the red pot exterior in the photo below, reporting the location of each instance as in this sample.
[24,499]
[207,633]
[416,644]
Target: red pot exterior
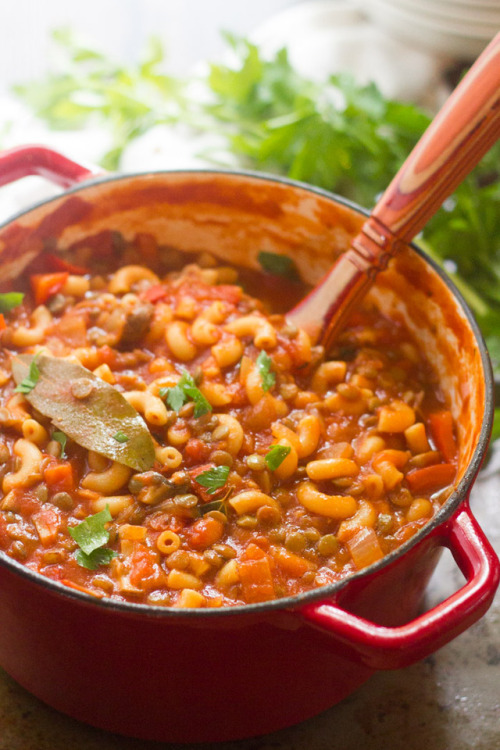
[207,675]
[192,679]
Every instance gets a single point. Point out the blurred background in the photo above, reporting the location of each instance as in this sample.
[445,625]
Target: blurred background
[190,29]
[321,33]
[413,50]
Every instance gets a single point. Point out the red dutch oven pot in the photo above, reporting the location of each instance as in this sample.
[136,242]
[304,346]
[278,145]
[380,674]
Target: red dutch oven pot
[220,674]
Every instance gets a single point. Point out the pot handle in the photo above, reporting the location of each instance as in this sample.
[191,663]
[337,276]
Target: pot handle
[383,647]
[23,161]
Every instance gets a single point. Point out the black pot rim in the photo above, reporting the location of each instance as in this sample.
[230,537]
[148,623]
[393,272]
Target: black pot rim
[328,592]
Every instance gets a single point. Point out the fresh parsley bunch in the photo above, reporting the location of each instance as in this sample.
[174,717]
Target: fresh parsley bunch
[338,135]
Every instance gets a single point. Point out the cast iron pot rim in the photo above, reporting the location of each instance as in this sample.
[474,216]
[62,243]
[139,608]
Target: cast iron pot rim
[329,591]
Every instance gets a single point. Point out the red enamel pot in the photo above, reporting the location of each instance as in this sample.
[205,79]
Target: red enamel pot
[210,675]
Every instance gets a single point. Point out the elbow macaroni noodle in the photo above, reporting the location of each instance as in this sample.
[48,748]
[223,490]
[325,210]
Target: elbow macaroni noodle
[271,463]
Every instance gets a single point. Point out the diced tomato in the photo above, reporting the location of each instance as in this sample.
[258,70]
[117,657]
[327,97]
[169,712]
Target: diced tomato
[47,522]
[72,330]
[154,294]
[195,451]
[228,293]
[143,567]
[106,356]
[177,523]
[430,478]
[59,476]
[205,532]
[45,285]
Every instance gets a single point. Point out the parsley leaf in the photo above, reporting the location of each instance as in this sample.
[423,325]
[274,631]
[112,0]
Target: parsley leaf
[186,390]
[91,87]
[100,556]
[120,437]
[276,455]
[213,479]
[62,439]
[91,533]
[30,381]
[267,377]
[9,300]
[279,265]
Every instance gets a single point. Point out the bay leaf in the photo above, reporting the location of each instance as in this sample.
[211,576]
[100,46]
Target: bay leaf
[95,418]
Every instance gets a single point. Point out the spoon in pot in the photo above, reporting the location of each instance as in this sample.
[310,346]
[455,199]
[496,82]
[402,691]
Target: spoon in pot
[462,132]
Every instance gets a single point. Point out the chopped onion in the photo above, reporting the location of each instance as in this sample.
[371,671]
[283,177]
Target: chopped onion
[364,548]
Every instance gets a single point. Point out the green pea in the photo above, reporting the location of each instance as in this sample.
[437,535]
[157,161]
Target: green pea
[328,544]
[296,541]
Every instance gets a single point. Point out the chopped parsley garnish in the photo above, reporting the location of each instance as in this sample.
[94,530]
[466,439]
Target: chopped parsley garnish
[267,377]
[101,556]
[91,536]
[9,300]
[213,479]
[186,390]
[30,381]
[276,455]
[278,265]
[120,437]
[62,439]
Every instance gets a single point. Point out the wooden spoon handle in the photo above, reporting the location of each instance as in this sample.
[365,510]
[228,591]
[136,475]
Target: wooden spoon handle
[462,132]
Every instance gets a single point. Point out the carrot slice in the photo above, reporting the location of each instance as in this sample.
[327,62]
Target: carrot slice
[253,552]
[430,478]
[290,563]
[3,324]
[441,426]
[256,580]
[45,285]
[84,589]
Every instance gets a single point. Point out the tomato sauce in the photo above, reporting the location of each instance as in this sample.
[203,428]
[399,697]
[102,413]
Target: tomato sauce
[266,466]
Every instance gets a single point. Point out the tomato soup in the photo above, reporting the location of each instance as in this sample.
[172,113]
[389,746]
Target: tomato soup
[169,438]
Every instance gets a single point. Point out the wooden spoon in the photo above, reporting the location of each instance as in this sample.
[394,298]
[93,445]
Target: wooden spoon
[456,140]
